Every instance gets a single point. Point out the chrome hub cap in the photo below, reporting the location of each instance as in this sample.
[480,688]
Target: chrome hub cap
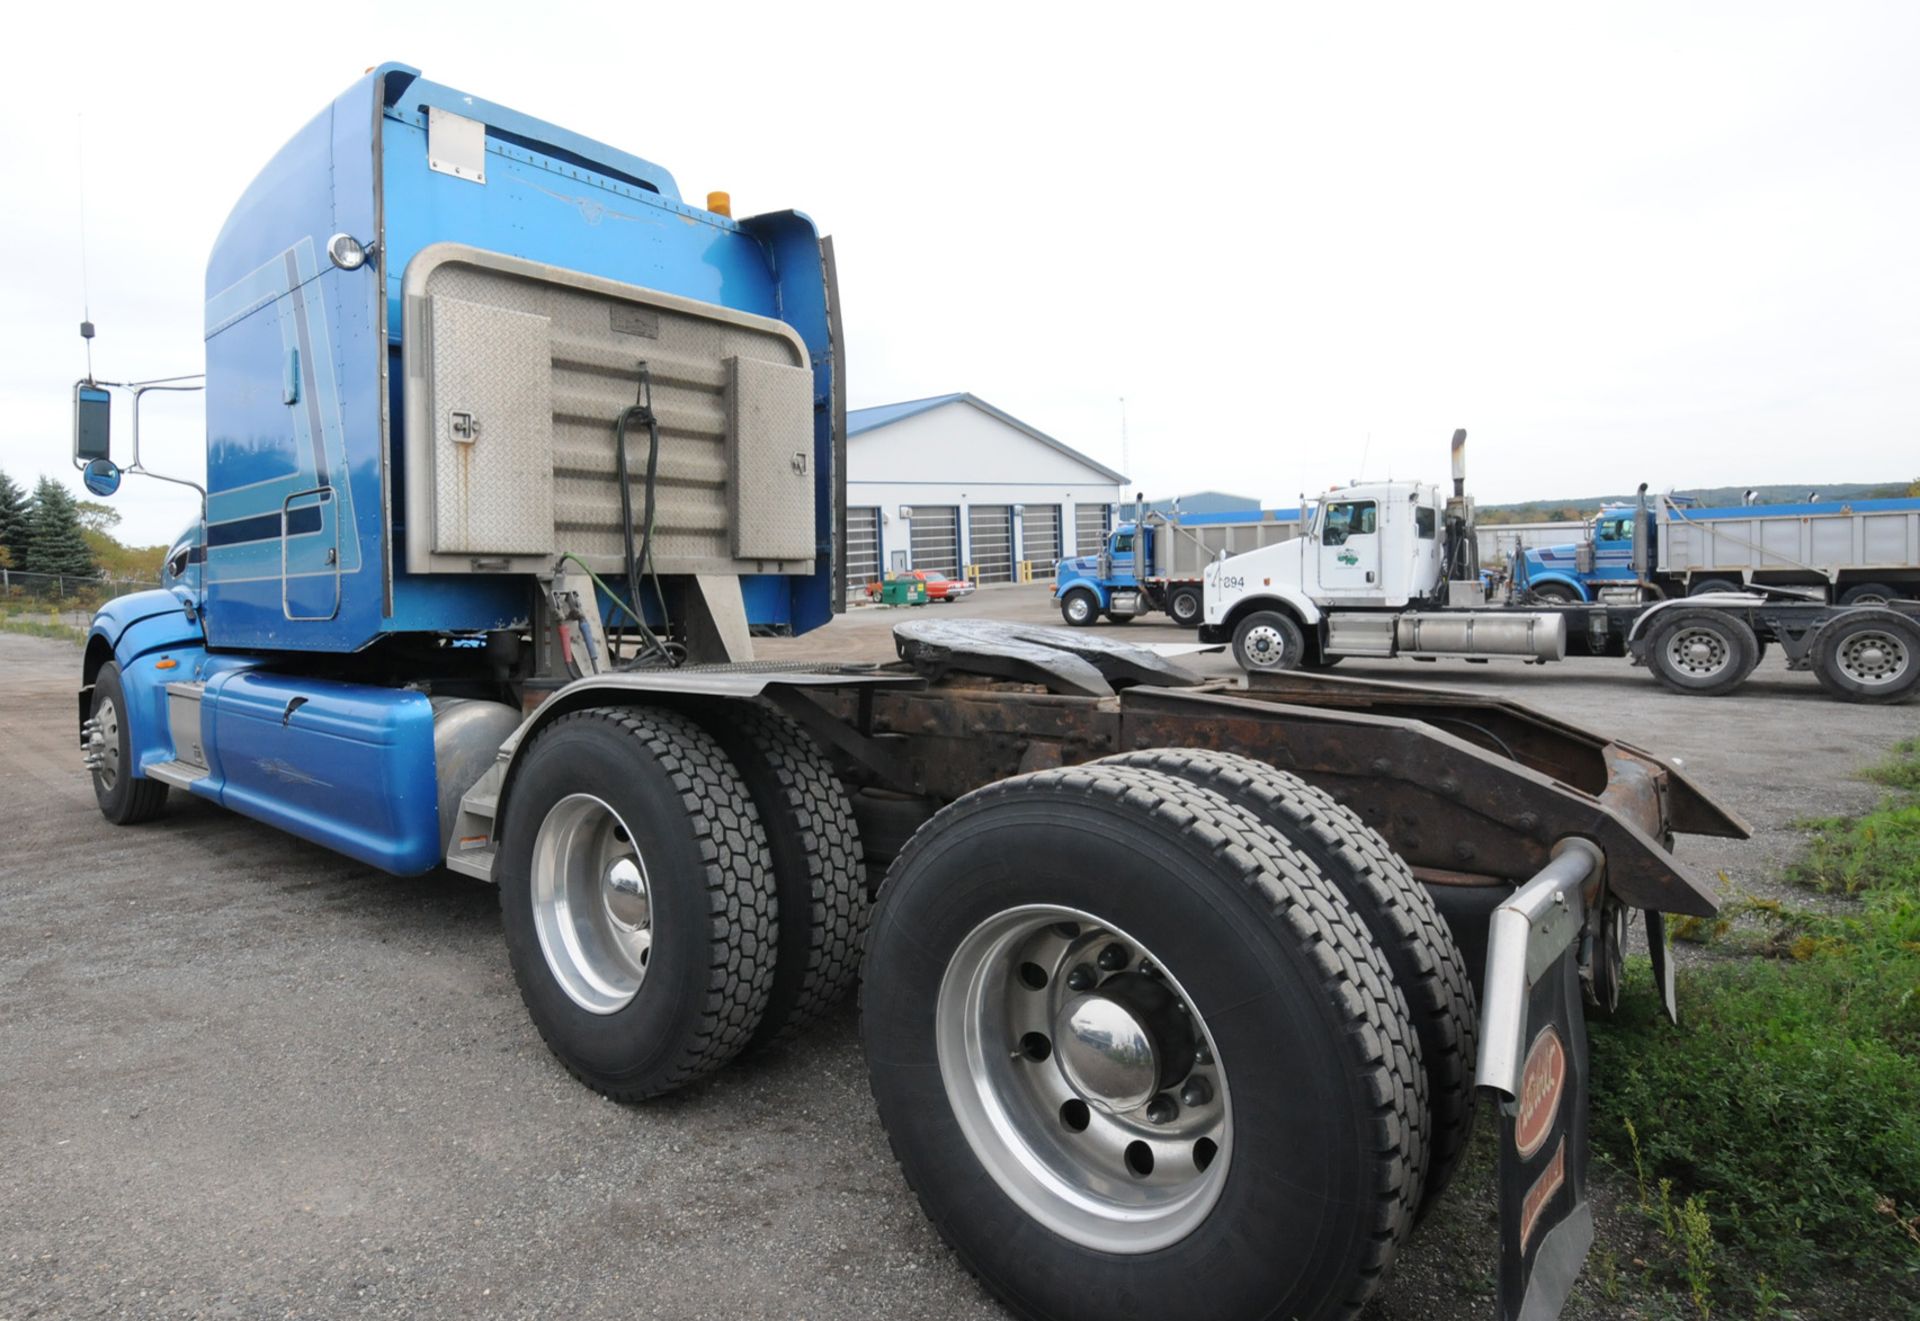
[1873,658]
[1106,1054]
[1079,608]
[1265,646]
[592,909]
[1700,652]
[1083,1080]
[103,744]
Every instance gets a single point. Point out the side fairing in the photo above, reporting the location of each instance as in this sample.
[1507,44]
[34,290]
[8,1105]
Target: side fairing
[294,477]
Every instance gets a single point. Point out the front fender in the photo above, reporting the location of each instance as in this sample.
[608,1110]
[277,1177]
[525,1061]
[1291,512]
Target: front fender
[1060,589]
[1580,593]
[1289,600]
[154,640]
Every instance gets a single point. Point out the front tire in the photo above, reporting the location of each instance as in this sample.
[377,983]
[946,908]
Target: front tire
[125,799]
[1267,640]
[1015,930]
[1079,607]
[637,898]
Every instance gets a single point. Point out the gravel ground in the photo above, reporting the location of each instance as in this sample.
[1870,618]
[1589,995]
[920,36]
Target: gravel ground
[243,1077]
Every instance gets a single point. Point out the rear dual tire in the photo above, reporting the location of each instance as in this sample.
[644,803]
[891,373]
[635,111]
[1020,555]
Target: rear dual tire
[673,894]
[1702,652]
[1868,655]
[1396,910]
[1303,1037]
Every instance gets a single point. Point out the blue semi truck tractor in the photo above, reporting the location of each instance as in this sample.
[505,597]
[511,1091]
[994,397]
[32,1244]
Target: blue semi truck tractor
[1158,562]
[513,453]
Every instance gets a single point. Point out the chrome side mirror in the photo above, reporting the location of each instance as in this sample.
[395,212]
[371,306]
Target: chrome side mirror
[101,476]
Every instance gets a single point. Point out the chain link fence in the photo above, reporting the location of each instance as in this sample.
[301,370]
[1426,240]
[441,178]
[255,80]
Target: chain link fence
[61,600]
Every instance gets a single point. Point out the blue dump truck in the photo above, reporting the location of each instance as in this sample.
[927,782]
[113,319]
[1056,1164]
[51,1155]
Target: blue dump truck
[1157,562]
[512,454]
[1845,552]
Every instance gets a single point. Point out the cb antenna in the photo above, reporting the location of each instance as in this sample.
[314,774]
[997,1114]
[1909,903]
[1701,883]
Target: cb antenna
[86,292]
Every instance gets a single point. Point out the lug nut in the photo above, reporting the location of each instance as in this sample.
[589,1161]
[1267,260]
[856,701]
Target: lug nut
[1082,978]
[1197,1092]
[1113,958]
[1162,1109]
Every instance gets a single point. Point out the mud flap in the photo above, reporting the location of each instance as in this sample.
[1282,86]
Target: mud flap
[1533,1066]
[1546,1226]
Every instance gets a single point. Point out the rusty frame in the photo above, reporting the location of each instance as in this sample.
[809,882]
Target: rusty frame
[1468,791]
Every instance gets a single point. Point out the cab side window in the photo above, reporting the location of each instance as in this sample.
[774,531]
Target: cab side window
[1123,544]
[1423,523]
[1616,529]
[1348,518]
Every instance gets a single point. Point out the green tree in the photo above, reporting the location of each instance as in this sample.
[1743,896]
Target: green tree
[13,523]
[96,517]
[55,543]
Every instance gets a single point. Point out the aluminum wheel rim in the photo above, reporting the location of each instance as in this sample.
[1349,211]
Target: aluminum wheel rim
[1101,1162]
[1265,646]
[592,906]
[1698,651]
[104,743]
[1873,658]
[1078,608]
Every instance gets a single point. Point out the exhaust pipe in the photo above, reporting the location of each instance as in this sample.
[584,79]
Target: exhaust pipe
[1459,462]
[1640,535]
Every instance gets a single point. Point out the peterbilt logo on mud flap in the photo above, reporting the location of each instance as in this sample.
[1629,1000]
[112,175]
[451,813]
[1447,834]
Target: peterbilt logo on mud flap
[1542,1080]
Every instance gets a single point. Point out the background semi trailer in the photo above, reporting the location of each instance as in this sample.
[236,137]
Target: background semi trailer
[1157,562]
[1390,569]
[1846,552]
[496,495]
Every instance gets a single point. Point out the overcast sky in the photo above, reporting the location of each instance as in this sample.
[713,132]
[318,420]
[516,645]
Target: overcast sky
[1670,243]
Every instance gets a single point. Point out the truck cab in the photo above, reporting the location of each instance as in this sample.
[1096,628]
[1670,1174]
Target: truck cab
[1575,571]
[1368,544]
[1086,585]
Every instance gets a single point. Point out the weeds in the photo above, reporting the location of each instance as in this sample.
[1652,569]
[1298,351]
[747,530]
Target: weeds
[1789,1099]
[40,628]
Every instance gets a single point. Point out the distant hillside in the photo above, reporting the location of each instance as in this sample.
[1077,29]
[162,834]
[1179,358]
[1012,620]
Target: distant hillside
[1549,511]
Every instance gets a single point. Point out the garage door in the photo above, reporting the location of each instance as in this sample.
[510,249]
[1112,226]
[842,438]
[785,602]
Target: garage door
[990,542]
[863,548]
[1040,537]
[1091,523]
[935,538]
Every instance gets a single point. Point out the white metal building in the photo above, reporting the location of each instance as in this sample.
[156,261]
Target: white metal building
[952,482]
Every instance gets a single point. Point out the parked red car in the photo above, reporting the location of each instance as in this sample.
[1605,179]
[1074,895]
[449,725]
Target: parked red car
[939,586]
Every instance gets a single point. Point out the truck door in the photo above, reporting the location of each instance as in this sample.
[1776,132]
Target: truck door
[1350,548]
[1613,545]
[1120,554]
